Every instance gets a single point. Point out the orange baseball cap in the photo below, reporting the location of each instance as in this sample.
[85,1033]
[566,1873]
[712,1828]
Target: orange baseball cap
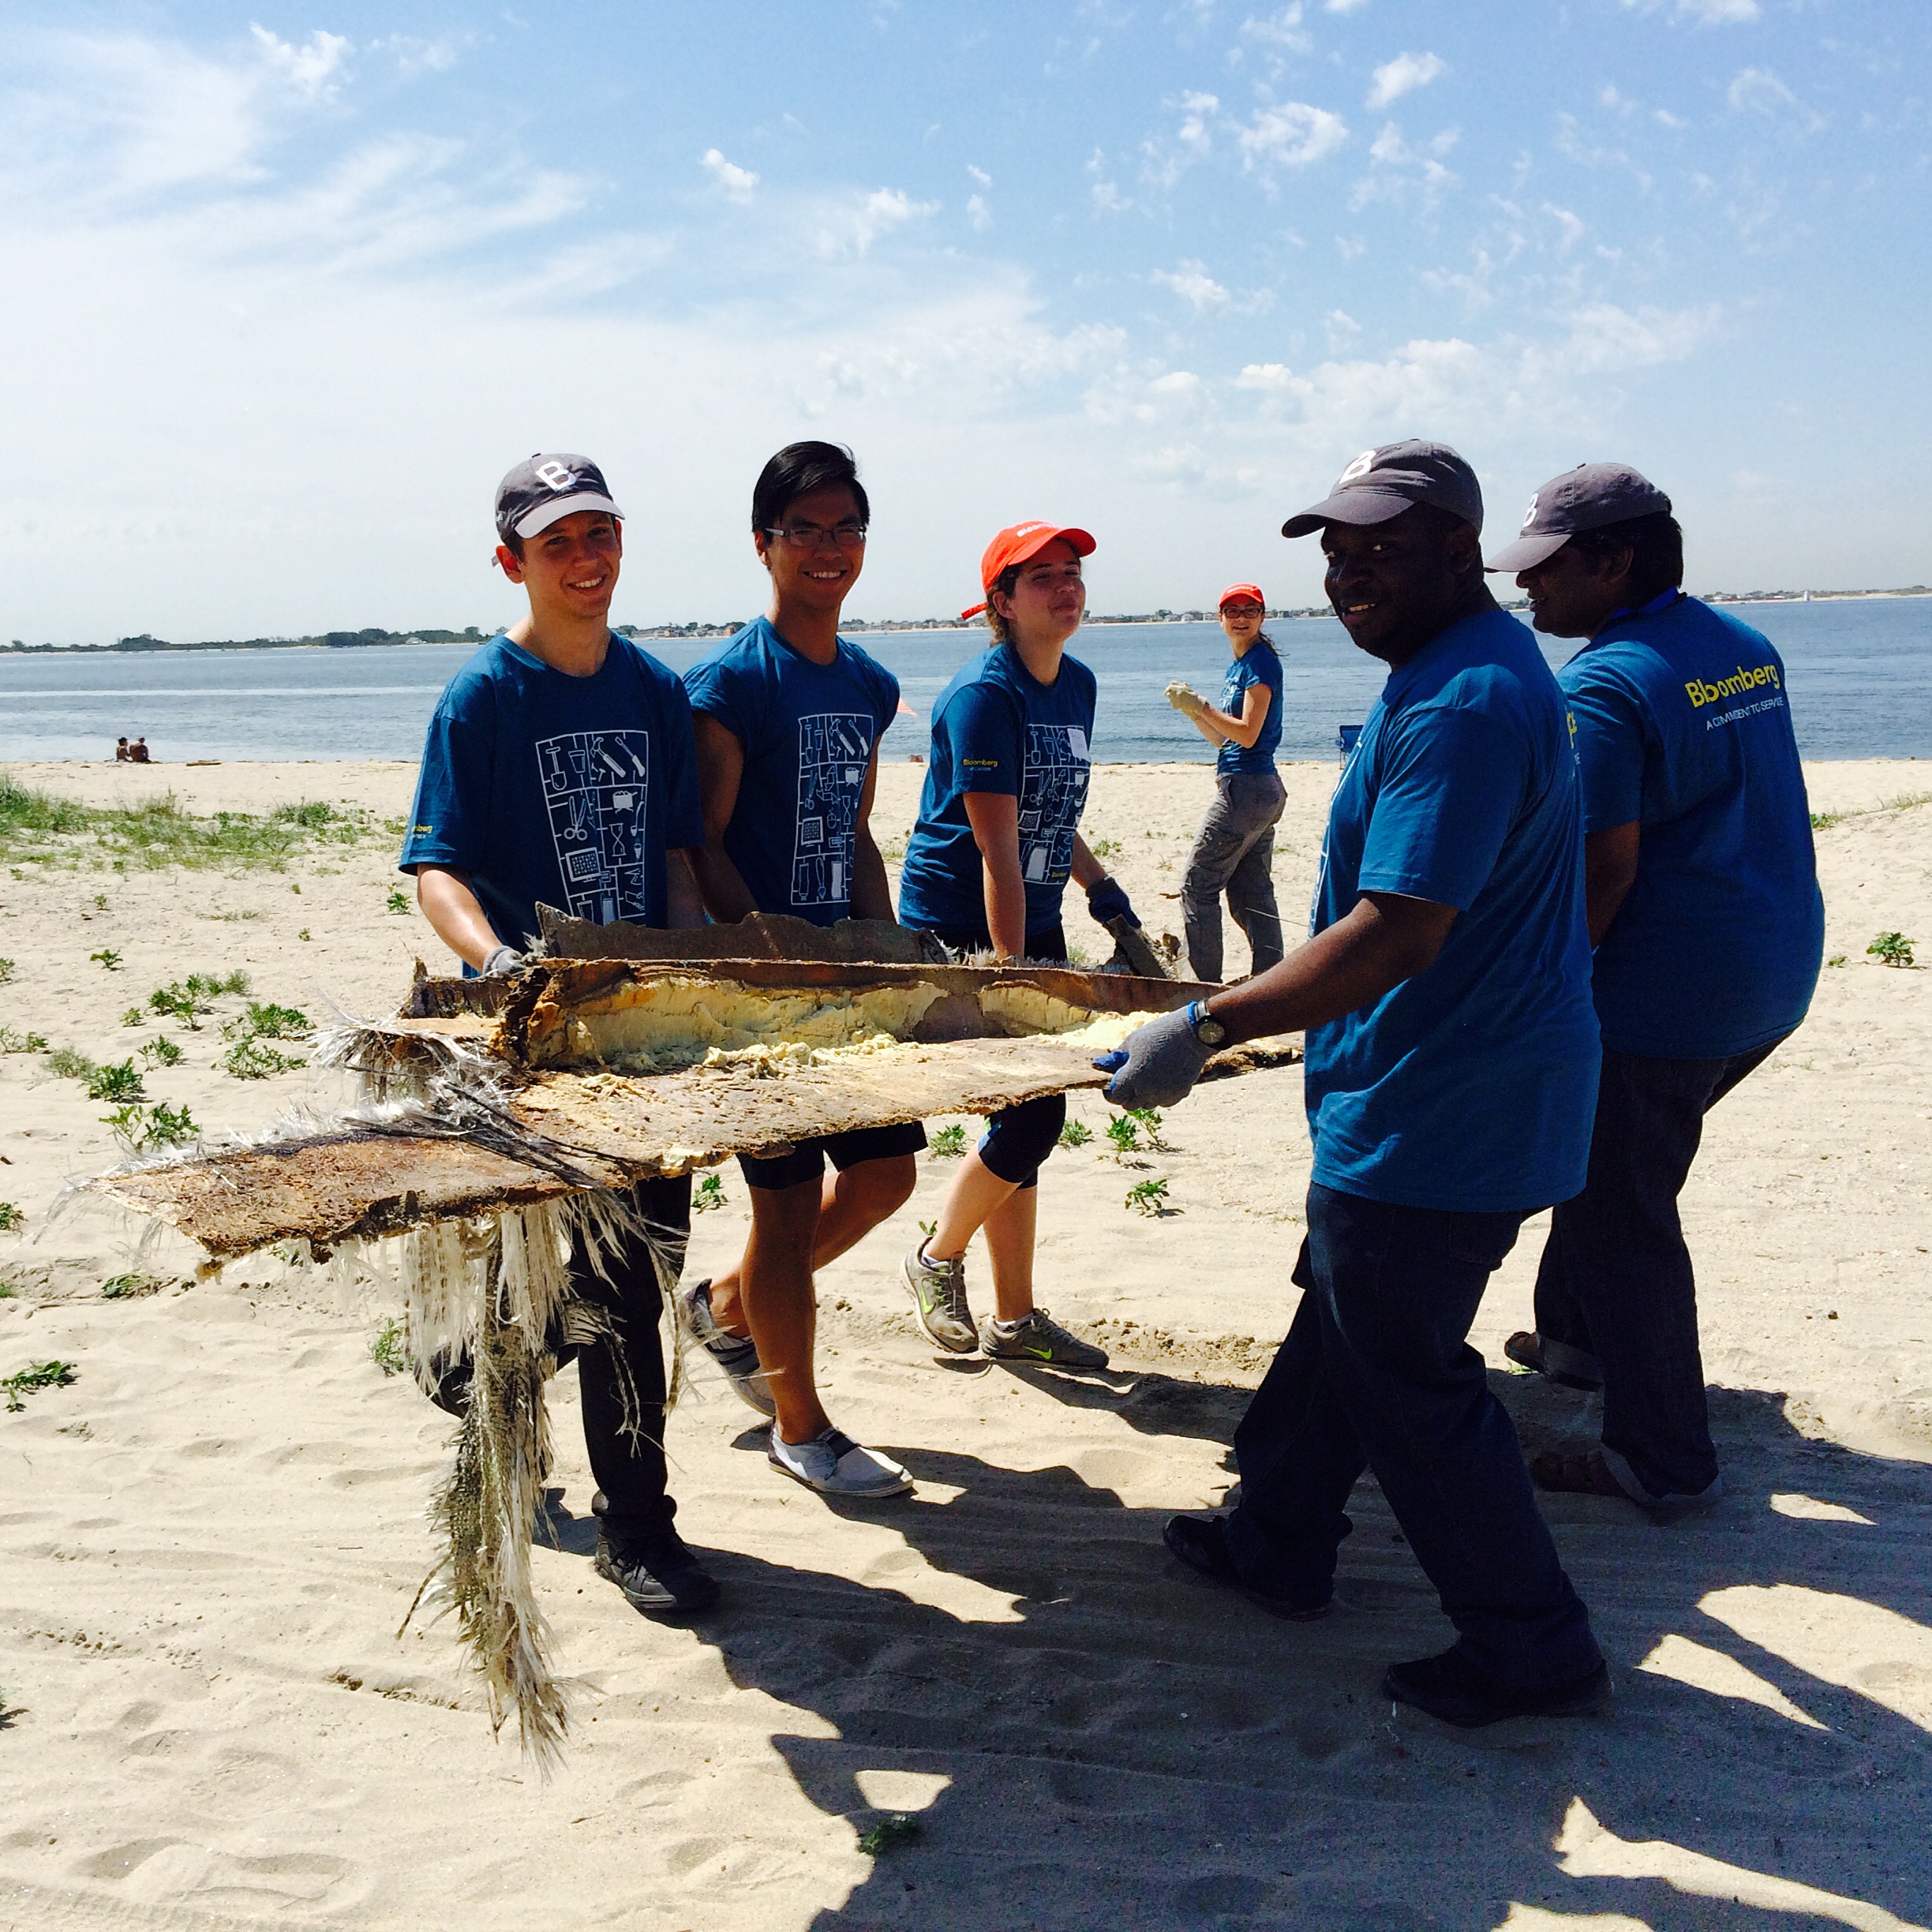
[1019,542]
[1234,593]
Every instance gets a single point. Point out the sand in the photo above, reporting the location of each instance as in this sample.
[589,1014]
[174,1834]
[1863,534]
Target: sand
[207,1540]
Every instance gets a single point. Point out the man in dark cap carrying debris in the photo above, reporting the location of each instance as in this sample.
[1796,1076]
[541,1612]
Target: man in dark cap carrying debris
[1704,913]
[1451,1072]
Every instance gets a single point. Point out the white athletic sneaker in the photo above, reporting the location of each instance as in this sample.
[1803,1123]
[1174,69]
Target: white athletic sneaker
[836,1464]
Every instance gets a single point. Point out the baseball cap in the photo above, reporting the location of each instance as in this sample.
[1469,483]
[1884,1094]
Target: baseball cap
[1585,498]
[1019,542]
[547,486]
[1236,592]
[1383,483]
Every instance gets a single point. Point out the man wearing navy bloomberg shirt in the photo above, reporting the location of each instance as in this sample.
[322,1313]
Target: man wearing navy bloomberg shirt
[1705,911]
[559,766]
[1451,1076]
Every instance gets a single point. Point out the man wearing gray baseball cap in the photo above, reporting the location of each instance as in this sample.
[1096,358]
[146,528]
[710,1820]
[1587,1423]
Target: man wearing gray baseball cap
[1704,913]
[1451,1076]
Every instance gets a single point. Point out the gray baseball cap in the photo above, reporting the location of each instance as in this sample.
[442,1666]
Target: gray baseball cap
[1585,498]
[539,491]
[1383,483]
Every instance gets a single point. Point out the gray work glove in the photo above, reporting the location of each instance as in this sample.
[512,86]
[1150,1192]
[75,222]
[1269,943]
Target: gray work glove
[504,960]
[1185,699]
[1159,1064]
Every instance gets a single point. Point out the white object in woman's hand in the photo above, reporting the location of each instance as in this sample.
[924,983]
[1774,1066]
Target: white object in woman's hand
[1185,699]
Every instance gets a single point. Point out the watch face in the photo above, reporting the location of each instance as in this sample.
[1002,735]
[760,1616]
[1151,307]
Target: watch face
[1210,1031]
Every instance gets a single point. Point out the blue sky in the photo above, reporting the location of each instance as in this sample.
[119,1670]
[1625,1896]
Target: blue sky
[286,293]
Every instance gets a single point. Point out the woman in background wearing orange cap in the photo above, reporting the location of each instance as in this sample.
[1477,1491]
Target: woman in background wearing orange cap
[1235,852]
[985,870]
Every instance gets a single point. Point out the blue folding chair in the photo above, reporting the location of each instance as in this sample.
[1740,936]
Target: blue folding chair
[1346,736]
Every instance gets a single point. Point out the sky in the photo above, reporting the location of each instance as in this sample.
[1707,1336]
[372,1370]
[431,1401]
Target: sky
[284,294]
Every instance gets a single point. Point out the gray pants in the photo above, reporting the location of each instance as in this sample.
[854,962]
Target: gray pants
[1235,854]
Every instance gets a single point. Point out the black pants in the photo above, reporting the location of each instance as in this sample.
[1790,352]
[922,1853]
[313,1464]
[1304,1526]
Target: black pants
[1377,1372]
[1018,1139]
[629,1466]
[1615,1297]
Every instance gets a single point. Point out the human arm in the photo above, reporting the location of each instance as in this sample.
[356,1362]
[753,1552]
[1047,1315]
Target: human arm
[1385,939]
[1609,871]
[872,897]
[994,817]
[684,904]
[1105,898]
[455,914]
[1217,727]
[720,768]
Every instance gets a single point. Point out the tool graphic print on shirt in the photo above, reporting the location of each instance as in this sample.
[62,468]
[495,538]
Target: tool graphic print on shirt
[834,748]
[596,784]
[1053,794]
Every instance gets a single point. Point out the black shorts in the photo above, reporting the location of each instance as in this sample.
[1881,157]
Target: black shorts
[807,1161]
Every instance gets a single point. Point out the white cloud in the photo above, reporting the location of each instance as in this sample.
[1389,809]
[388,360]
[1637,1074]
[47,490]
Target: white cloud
[736,182]
[1345,6]
[311,69]
[1705,12]
[1292,135]
[1281,30]
[413,55]
[1344,331]
[852,228]
[1757,91]
[1195,287]
[1402,75]
[978,213]
[1196,111]
[980,174]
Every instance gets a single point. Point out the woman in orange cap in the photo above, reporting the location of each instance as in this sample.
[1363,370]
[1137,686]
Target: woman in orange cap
[1235,852]
[985,870]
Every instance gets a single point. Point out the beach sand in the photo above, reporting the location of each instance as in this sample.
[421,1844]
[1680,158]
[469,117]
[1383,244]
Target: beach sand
[208,1539]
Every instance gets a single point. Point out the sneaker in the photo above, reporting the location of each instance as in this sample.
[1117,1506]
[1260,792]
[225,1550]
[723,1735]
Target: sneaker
[1039,1338]
[737,1355]
[939,1301]
[660,1576]
[836,1464]
[1450,1688]
[1201,1543]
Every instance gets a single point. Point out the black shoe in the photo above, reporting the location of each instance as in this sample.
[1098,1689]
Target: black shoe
[1201,1543]
[453,1382]
[1450,1688]
[662,1576]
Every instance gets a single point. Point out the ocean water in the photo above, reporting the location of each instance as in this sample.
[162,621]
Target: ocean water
[1860,680]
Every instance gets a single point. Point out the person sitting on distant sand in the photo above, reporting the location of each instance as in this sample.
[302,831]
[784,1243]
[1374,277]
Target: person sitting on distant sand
[121,751]
[789,715]
[560,766]
[1234,851]
[1451,1072]
[137,752]
[1705,911]
[986,868]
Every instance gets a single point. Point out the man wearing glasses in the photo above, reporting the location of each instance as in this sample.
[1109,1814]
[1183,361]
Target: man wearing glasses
[788,717]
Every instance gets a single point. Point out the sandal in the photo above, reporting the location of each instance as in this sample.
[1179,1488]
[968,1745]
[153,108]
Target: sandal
[1587,1474]
[1524,1348]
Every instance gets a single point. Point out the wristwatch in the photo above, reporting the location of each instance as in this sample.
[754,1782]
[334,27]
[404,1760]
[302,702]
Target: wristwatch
[1208,1029]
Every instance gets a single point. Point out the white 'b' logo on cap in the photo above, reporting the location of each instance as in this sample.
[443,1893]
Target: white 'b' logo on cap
[1529,515]
[556,475]
[1360,467]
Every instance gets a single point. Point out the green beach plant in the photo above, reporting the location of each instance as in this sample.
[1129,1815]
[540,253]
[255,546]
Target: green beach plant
[708,1195]
[389,1346]
[129,1287]
[1148,1198]
[107,959]
[119,1082]
[12,1042]
[37,1375]
[248,1059]
[6,971]
[70,1063]
[1149,1120]
[133,1017]
[1891,949]
[948,1144]
[398,901]
[11,1216]
[1075,1134]
[147,1129]
[1124,1131]
[162,1051]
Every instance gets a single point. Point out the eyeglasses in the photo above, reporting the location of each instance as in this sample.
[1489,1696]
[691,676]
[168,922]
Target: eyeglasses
[812,535]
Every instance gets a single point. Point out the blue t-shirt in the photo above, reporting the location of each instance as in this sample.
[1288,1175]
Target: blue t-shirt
[997,728]
[1682,727]
[809,732]
[1259,666]
[1472,1086]
[540,785]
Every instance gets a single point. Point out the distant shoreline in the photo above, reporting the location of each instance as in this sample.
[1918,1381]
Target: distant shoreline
[698,633]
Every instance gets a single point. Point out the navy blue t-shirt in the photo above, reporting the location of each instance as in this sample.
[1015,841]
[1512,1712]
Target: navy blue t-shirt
[996,728]
[809,732]
[1682,727]
[540,785]
[1259,666]
[1472,1086]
